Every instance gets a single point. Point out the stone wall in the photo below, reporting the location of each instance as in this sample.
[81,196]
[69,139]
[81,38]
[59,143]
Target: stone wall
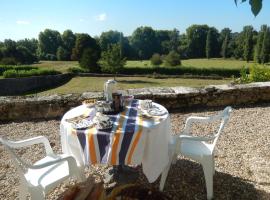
[15,86]
[25,108]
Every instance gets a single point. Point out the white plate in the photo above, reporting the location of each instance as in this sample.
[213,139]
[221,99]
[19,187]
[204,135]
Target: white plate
[156,111]
[84,123]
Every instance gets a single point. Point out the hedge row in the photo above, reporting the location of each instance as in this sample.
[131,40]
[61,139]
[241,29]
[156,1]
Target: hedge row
[224,72]
[12,73]
[4,68]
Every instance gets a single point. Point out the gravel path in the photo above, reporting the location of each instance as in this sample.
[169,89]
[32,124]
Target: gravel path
[242,158]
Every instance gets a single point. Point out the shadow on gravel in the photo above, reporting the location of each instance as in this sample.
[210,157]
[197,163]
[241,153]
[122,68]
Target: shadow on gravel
[186,181]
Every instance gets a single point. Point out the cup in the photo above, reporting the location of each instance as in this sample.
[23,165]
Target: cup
[117,101]
[146,104]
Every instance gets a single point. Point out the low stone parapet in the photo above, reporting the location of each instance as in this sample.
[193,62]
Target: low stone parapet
[25,108]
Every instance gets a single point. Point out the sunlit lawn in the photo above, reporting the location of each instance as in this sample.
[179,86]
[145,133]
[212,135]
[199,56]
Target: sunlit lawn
[83,84]
[199,63]
[61,66]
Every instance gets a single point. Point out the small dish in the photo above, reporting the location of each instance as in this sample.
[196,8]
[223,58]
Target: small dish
[82,124]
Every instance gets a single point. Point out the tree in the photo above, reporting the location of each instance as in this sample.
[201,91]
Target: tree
[62,54]
[258,47]
[144,42]
[248,42]
[196,38]
[156,59]
[224,48]
[30,44]
[24,56]
[89,60]
[108,38]
[69,40]
[208,46]
[256,5]
[173,59]
[49,41]
[111,60]
[84,41]
[265,51]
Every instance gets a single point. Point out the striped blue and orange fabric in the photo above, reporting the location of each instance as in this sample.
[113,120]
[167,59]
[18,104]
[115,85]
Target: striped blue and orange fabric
[117,145]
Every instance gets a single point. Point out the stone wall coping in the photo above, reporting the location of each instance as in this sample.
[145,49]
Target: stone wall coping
[173,98]
[136,92]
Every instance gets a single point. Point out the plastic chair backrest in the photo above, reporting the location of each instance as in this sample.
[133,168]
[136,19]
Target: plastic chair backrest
[224,116]
[17,161]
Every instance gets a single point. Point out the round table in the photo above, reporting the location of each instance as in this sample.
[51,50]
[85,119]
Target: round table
[133,139]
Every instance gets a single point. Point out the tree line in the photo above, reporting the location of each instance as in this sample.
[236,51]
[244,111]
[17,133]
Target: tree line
[199,41]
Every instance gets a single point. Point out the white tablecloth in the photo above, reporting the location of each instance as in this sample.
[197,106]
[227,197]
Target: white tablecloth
[150,149]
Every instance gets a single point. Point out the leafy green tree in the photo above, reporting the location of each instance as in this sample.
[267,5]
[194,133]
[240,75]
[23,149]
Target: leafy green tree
[196,38]
[209,45]
[163,41]
[49,40]
[111,60]
[62,54]
[144,42]
[24,56]
[248,42]
[1,54]
[84,41]
[30,44]
[156,59]
[224,48]
[173,59]
[258,47]
[108,38]
[256,5]
[89,60]
[265,46]
[69,39]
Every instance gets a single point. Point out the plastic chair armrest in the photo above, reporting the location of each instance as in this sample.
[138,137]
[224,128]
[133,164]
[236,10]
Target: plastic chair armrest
[31,141]
[196,138]
[71,163]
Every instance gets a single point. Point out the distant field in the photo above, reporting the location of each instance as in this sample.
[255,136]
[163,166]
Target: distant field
[199,63]
[83,84]
[61,66]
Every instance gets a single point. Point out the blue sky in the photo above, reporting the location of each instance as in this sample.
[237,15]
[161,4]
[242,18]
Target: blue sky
[26,18]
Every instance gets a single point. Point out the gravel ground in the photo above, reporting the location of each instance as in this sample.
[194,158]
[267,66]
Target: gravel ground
[242,157]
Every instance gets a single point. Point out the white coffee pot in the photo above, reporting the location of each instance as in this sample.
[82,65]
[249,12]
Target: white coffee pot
[109,88]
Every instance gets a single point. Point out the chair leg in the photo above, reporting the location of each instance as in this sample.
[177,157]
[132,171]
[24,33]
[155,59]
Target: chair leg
[213,165]
[22,192]
[208,174]
[164,175]
[37,194]
[80,176]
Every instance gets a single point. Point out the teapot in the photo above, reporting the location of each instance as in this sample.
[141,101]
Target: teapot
[109,88]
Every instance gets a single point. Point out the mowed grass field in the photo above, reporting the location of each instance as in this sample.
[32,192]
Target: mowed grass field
[61,66]
[199,63]
[83,84]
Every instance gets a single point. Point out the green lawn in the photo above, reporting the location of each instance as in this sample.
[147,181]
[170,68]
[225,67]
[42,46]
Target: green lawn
[199,63]
[83,84]
[61,66]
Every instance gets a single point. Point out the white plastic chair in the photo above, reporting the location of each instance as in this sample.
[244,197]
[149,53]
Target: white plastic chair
[197,148]
[44,175]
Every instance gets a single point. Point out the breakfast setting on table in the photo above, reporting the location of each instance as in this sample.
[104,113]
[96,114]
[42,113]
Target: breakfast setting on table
[118,130]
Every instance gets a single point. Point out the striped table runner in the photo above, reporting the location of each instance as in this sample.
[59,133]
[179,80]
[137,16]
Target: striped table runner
[117,145]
